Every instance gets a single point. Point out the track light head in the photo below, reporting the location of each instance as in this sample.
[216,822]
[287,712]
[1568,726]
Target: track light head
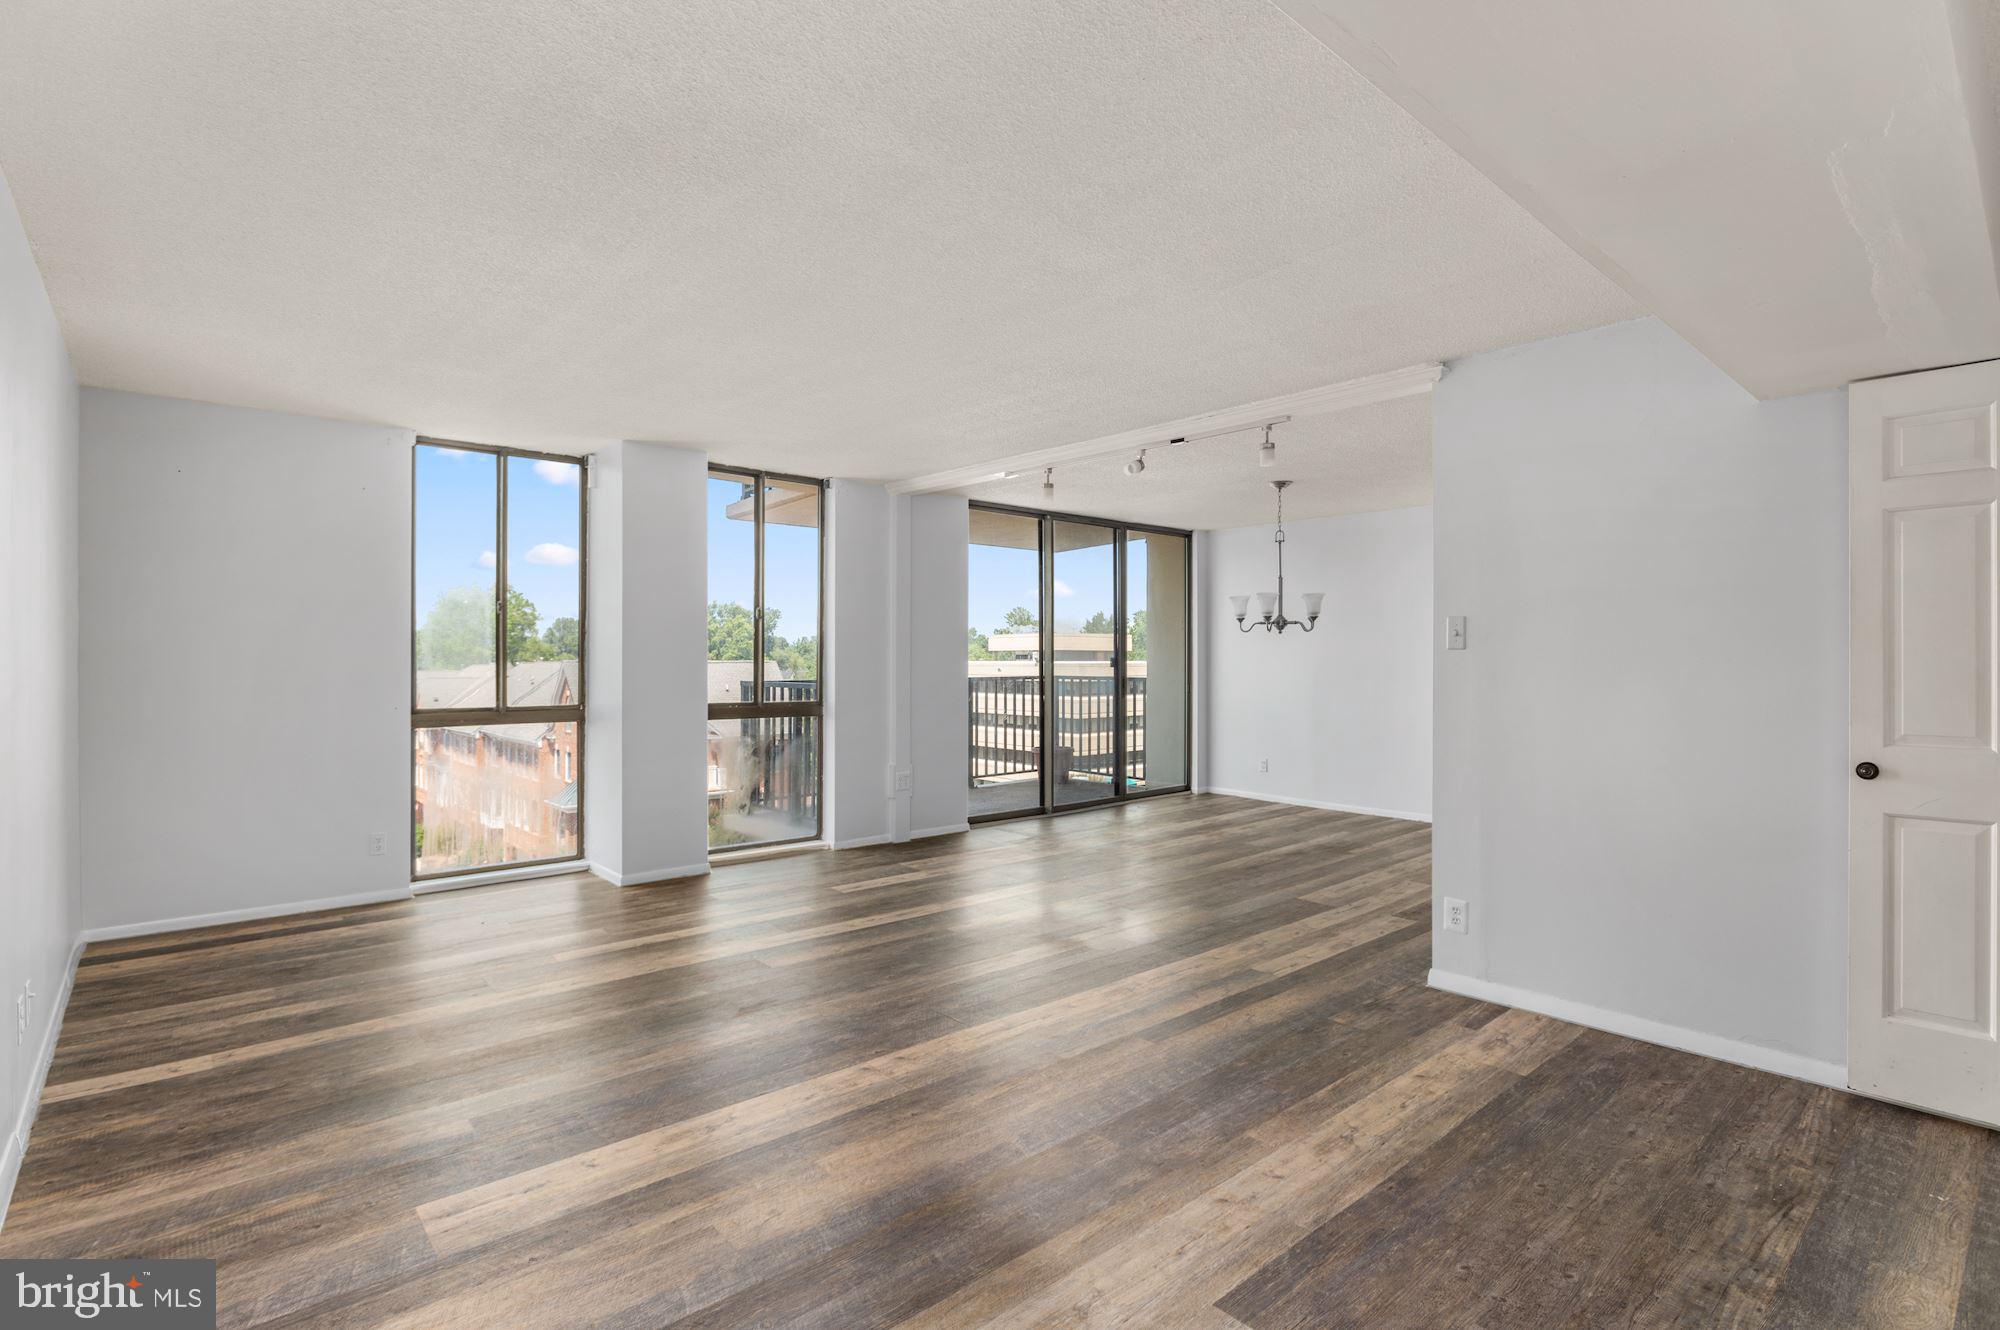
[1137,464]
[1048,484]
[1268,454]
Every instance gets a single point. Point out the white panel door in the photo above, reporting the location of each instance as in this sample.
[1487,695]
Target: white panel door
[1924,804]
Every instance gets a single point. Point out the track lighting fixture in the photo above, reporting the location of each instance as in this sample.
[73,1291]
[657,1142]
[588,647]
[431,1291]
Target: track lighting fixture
[1268,454]
[1048,484]
[1137,464]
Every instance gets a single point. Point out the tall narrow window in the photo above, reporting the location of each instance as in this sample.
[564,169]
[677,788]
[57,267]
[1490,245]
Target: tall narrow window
[497,650]
[1077,661]
[765,656]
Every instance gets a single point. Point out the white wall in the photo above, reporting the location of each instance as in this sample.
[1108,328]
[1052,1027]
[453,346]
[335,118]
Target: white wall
[1343,714]
[646,691]
[1641,756]
[39,852]
[859,616]
[245,684]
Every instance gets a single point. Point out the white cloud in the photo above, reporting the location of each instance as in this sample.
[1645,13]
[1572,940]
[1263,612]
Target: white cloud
[559,473]
[486,559]
[1063,588]
[552,554]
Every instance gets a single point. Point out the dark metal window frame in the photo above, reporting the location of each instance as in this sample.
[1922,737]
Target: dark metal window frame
[1121,533]
[760,709]
[502,713]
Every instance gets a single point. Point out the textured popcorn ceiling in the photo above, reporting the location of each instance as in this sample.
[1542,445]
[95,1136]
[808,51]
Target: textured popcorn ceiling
[857,238]
[1358,461]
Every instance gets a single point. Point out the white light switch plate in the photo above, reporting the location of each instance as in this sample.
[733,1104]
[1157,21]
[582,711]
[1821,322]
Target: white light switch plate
[1454,633]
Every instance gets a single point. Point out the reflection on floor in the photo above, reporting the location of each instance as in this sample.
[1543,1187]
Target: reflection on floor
[1014,793]
[1172,1063]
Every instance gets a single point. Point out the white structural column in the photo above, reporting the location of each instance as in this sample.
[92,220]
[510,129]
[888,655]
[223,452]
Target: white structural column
[646,686]
[859,628]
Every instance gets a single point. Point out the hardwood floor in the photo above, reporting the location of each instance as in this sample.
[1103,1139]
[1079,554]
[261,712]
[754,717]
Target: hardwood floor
[1173,1064]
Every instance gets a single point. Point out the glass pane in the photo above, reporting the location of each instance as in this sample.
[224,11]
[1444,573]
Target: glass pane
[1156,655]
[544,582]
[1081,763]
[791,592]
[763,780]
[456,534]
[495,794]
[1003,653]
[732,587]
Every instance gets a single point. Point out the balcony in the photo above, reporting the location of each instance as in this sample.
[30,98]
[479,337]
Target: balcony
[1005,742]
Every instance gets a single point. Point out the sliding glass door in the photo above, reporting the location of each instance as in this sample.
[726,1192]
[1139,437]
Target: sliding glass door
[1077,662]
[1158,656]
[764,658]
[1003,655]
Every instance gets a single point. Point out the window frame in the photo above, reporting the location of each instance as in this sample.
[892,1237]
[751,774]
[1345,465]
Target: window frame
[759,709]
[1121,535]
[422,718]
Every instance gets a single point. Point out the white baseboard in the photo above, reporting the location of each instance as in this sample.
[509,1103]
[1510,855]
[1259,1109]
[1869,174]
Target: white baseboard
[116,931]
[951,829]
[31,1102]
[882,838]
[1795,1065]
[652,875]
[1318,803]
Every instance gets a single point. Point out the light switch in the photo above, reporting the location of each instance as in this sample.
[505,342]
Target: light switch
[1454,633]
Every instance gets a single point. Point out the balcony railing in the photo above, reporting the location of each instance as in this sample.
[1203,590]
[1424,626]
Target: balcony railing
[1006,726]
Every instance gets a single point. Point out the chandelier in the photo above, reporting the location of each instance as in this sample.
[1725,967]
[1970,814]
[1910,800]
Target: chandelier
[1270,607]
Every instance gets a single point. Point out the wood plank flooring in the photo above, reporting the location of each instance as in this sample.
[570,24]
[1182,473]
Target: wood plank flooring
[1172,1064]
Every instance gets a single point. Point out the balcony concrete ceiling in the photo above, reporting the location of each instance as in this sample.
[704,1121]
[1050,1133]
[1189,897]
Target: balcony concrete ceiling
[858,238]
[1807,190]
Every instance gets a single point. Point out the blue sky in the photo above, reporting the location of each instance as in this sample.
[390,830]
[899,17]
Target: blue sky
[999,578]
[456,535]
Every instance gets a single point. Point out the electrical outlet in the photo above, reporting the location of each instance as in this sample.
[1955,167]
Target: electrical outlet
[1264,764]
[1454,915]
[378,842]
[906,781]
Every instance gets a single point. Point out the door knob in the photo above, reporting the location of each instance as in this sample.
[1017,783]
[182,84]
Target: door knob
[1867,770]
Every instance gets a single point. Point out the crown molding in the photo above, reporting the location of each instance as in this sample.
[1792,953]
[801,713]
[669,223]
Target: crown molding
[1313,401]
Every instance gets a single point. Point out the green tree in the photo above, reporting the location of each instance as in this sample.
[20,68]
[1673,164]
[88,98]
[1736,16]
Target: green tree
[732,632]
[798,660]
[977,645]
[564,639]
[1099,622]
[1020,619]
[1137,649]
[458,631]
[522,620]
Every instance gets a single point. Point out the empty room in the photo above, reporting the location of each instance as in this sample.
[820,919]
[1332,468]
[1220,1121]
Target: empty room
[1154,663]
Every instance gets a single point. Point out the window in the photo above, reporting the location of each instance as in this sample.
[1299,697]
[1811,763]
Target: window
[497,654]
[765,691]
[1077,661]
